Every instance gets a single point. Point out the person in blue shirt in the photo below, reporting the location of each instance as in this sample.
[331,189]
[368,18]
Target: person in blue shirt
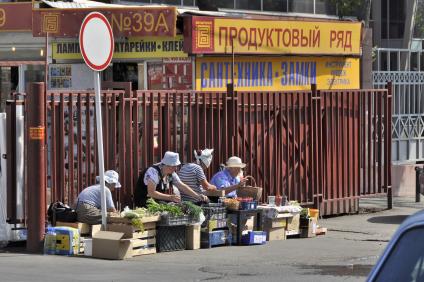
[229,178]
[89,200]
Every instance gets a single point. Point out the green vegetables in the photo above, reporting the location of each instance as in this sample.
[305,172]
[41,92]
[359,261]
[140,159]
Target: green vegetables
[192,209]
[137,223]
[154,207]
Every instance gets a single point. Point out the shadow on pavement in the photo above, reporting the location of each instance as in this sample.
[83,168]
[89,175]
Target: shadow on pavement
[18,247]
[388,219]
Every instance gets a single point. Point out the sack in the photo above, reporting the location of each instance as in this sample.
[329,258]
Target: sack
[58,211]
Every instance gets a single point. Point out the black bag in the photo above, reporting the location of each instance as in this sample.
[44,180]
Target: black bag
[58,211]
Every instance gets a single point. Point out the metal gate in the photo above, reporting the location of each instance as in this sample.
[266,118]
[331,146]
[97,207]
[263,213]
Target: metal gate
[403,67]
[321,148]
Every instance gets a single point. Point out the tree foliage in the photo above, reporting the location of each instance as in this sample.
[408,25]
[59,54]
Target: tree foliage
[419,20]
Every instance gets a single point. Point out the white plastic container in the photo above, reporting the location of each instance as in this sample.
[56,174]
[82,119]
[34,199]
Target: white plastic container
[88,247]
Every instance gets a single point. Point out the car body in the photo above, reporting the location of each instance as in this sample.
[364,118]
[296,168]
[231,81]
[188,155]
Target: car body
[403,258]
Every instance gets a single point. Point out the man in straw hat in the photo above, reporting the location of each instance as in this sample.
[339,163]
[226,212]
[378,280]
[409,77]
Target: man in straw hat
[156,181]
[229,178]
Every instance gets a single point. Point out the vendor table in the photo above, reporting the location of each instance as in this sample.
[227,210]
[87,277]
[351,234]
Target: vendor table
[243,214]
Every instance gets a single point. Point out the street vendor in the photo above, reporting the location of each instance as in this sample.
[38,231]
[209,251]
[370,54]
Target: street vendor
[229,179]
[156,181]
[89,200]
[193,174]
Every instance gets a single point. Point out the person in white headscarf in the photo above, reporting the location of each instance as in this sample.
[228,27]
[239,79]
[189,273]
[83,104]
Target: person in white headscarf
[193,174]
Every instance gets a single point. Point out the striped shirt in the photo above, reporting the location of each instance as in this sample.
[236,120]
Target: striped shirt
[192,175]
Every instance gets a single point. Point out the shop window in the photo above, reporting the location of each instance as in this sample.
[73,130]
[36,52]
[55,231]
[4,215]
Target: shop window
[126,72]
[170,74]
[396,11]
[248,4]
[276,5]
[168,2]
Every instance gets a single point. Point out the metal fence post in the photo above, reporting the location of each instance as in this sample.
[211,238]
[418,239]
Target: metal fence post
[36,161]
[388,143]
[418,172]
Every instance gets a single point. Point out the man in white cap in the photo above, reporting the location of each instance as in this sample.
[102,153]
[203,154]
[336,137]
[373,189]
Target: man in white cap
[89,200]
[193,174]
[228,179]
[156,181]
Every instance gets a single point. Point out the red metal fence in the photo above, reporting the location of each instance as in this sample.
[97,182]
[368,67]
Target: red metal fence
[322,148]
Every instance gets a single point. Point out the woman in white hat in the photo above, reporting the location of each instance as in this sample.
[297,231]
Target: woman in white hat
[228,179]
[156,181]
[89,200]
[193,174]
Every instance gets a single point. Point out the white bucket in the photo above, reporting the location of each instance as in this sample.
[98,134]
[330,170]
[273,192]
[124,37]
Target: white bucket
[88,247]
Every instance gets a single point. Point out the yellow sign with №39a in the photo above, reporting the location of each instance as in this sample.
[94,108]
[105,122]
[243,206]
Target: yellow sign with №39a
[277,73]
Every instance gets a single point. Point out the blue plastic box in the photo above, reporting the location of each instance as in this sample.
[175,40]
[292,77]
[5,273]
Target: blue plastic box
[248,205]
[254,238]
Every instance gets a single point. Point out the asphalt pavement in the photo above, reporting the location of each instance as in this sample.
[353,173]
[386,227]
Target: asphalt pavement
[347,253]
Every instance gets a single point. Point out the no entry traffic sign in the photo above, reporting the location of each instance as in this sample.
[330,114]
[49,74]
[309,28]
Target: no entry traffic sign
[96,41]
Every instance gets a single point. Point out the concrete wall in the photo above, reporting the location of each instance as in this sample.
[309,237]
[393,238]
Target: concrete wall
[403,180]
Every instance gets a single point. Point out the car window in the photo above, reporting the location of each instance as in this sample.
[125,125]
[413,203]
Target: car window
[406,260]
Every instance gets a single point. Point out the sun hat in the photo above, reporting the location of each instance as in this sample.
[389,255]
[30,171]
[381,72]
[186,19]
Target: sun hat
[111,177]
[235,162]
[171,159]
[205,156]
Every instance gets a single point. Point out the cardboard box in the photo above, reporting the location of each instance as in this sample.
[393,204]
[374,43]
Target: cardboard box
[83,228]
[275,234]
[293,224]
[110,245]
[95,228]
[280,221]
[193,237]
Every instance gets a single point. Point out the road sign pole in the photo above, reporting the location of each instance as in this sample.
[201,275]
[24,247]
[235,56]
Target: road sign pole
[100,146]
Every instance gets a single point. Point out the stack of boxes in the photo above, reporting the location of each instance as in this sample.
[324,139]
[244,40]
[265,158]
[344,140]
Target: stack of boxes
[214,231]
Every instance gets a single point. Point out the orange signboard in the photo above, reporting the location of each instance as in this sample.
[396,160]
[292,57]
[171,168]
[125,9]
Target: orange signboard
[15,17]
[125,22]
[37,133]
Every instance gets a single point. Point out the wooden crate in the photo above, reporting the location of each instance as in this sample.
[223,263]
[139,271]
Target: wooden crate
[143,242]
[114,219]
[131,232]
[143,246]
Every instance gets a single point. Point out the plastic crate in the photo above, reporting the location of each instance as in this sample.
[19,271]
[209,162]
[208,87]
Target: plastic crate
[214,211]
[171,238]
[215,238]
[212,224]
[254,238]
[169,220]
[248,205]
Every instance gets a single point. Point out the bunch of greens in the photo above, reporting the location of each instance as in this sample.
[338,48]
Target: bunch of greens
[192,209]
[155,207]
[304,213]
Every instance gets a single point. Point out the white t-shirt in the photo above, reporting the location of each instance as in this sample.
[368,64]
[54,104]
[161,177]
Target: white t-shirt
[153,175]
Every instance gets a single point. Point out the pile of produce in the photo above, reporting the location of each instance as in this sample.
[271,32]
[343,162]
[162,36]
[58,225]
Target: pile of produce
[192,210]
[232,204]
[136,215]
[171,208]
